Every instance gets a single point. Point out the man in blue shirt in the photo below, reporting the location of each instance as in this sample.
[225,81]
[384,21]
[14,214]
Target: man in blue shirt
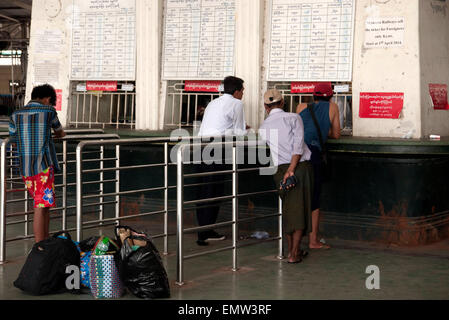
[30,129]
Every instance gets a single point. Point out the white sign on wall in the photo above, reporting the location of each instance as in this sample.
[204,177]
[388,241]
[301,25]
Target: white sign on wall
[103,40]
[198,39]
[311,40]
[384,32]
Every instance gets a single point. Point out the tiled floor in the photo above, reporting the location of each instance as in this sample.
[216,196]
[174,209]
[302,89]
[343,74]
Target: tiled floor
[338,273]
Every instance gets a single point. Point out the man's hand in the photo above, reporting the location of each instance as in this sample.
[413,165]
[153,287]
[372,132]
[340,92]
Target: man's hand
[60,134]
[287,175]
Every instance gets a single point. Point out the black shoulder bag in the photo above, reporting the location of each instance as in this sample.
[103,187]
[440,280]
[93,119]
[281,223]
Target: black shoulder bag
[325,164]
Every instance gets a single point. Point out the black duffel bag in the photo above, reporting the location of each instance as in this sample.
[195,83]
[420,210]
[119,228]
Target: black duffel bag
[44,271]
[141,268]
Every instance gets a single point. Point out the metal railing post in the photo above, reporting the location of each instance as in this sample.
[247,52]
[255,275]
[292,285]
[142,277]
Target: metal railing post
[79,193]
[235,208]
[166,199]
[179,220]
[281,239]
[3,201]
[117,183]
[64,185]
[101,213]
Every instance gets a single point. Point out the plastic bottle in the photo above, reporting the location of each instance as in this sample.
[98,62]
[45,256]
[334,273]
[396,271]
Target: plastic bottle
[260,235]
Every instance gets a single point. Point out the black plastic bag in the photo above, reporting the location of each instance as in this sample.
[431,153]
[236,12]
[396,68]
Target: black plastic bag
[88,244]
[141,268]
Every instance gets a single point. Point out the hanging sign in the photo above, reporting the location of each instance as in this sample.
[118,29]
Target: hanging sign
[302,87]
[203,86]
[101,85]
[438,93]
[381,105]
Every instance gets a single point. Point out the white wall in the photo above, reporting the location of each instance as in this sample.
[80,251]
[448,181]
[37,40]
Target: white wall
[388,70]
[249,54]
[434,43]
[149,111]
[42,19]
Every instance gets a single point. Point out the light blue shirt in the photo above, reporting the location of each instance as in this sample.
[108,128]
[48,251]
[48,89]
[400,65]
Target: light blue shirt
[284,133]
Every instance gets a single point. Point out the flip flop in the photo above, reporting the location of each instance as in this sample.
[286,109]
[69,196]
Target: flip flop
[297,261]
[303,254]
[322,247]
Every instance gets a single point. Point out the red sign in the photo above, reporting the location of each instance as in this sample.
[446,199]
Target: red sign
[303,87]
[101,85]
[202,86]
[381,105]
[438,92]
[58,100]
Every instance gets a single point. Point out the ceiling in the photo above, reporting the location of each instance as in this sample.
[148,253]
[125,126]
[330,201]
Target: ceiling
[11,10]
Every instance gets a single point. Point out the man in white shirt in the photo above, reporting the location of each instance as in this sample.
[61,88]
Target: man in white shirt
[223,116]
[284,133]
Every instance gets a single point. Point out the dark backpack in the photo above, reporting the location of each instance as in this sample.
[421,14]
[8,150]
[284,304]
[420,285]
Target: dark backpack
[44,271]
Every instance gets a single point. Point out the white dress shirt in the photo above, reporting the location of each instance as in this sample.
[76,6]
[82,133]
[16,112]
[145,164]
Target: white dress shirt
[284,133]
[223,116]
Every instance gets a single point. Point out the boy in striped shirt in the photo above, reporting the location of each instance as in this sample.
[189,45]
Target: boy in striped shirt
[30,129]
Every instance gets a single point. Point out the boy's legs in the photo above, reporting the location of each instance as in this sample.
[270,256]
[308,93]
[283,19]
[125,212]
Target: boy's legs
[41,224]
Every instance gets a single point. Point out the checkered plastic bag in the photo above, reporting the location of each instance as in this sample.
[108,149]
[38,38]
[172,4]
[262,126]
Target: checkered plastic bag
[104,278]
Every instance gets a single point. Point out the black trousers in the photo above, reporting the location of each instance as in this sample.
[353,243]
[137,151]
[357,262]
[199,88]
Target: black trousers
[212,187]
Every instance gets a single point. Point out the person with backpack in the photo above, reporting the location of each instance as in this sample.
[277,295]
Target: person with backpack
[320,116]
[30,129]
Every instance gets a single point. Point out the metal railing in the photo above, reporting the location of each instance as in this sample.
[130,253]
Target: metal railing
[102,109]
[235,196]
[185,109]
[99,198]
[180,186]
[343,100]
[16,197]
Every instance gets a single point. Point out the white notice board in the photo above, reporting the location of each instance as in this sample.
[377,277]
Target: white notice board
[311,40]
[198,39]
[103,40]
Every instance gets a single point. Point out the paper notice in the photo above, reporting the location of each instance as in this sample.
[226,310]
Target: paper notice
[48,42]
[46,71]
[384,32]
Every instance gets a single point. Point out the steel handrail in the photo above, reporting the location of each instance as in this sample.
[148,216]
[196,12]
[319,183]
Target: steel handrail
[72,135]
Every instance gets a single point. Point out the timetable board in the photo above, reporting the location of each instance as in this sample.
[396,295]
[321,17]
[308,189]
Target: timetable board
[311,40]
[198,39]
[103,40]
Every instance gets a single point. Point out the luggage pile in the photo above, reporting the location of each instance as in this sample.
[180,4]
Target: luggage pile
[107,268]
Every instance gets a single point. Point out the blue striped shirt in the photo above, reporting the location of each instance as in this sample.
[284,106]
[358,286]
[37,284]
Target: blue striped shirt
[30,128]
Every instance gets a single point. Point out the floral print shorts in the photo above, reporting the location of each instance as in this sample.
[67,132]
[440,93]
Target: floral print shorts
[42,188]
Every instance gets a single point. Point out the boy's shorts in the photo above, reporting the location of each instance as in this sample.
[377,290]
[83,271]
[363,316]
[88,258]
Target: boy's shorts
[42,188]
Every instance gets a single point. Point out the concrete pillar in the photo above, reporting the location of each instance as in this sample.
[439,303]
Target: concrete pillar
[249,54]
[149,47]
[54,18]
[388,69]
[434,53]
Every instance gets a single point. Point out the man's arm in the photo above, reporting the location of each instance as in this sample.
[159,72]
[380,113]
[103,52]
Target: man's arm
[334,114]
[291,169]
[57,127]
[239,121]
[298,146]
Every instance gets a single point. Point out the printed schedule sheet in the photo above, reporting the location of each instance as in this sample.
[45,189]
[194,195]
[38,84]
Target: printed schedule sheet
[104,40]
[311,40]
[198,39]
